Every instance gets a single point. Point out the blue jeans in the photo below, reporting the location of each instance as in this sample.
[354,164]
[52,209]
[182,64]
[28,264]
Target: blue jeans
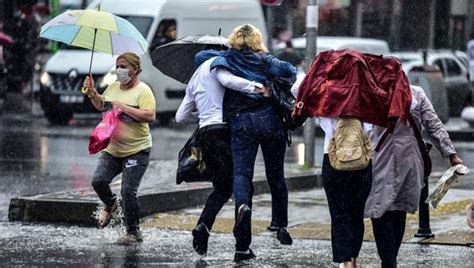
[249,130]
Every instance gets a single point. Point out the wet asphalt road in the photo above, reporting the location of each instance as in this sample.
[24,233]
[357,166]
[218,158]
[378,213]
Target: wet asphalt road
[37,158]
[52,245]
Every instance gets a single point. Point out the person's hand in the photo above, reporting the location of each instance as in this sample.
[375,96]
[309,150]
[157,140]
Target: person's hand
[454,159]
[90,85]
[263,90]
[119,106]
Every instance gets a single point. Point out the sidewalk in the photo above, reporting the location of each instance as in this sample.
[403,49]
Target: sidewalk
[309,218]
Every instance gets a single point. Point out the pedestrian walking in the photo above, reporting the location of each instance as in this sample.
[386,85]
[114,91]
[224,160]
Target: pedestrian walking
[344,88]
[398,174]
[254,123]
[346,193]
[129,150]
[203,104]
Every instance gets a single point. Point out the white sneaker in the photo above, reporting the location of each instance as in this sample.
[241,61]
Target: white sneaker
[105,215]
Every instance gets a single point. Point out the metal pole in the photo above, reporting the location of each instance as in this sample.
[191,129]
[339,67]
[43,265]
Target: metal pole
[432,19]
[270,12]
[424,229]
[312,14]
[358,23]
[54,6]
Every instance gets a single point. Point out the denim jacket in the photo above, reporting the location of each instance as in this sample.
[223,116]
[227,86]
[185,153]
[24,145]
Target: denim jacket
[250,65]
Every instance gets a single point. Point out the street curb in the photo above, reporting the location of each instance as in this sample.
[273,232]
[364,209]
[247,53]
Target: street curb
[42,208]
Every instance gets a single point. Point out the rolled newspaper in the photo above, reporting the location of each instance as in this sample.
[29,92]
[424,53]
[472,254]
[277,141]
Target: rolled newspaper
[449,177]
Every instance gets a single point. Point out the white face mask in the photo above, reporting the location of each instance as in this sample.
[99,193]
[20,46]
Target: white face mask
[122,75]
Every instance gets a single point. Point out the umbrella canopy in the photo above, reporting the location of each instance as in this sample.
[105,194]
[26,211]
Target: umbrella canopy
[95,30]
[176,59]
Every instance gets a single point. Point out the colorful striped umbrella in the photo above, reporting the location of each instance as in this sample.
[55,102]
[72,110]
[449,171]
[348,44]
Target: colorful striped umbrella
[79,28]
[95,30]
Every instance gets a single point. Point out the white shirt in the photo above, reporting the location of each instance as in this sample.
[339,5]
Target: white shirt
[205,93]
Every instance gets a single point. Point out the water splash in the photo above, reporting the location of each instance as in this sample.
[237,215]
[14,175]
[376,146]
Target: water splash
[117,217]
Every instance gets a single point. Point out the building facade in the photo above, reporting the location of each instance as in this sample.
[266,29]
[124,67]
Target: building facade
[405,24]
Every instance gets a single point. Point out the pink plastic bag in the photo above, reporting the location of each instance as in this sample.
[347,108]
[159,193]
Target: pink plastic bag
[100,136]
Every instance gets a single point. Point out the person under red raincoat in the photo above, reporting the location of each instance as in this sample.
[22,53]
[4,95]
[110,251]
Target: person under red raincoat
[348,83]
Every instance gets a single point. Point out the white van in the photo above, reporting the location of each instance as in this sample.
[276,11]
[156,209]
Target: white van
[324,43]
[60,93]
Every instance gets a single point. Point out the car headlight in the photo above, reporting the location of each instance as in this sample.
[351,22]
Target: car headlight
[108,79]
[45,79]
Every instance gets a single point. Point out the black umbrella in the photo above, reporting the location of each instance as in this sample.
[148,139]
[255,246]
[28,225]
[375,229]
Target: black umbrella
[176,59]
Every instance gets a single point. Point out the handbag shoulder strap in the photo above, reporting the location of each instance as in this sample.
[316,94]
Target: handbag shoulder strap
[382,139]
[417,131]
[418,136]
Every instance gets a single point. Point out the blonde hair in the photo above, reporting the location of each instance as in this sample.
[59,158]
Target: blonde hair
[247,36]
[132,59]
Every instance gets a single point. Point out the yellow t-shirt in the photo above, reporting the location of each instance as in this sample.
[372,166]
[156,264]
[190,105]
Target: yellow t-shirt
[130,136]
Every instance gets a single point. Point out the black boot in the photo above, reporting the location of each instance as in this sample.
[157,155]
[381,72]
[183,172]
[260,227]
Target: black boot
[200,238]
[284,237]
[243,256]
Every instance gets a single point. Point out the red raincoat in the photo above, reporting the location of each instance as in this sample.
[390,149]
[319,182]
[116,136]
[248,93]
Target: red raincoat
[348,83]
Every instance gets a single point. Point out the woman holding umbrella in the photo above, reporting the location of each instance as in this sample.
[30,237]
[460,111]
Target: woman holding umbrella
[129,149]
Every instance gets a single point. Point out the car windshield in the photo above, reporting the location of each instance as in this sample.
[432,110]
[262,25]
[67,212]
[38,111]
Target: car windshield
[142,23]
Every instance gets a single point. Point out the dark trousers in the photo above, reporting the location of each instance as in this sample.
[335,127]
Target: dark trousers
[346,192]
[133,168]
[388,232]
[216,151]
[250,130]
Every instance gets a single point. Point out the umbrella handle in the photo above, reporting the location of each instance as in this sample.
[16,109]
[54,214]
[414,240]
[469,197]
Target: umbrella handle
[85,89]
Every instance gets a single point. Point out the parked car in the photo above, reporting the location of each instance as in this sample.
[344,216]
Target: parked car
[455,74]
[462,56]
